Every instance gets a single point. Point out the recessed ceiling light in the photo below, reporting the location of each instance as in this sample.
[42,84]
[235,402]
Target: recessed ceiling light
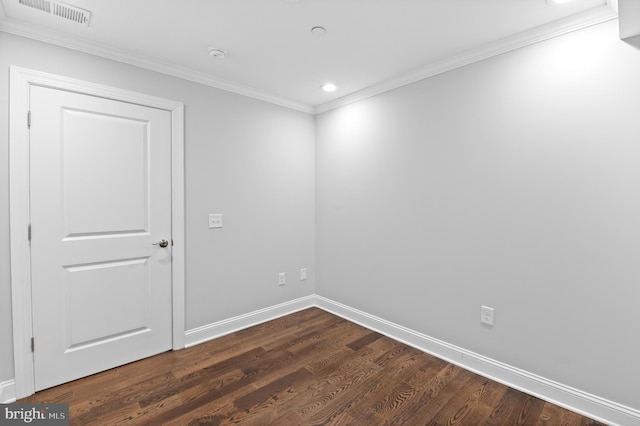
[328,87]
[559,2]
[217,53]
[318,31]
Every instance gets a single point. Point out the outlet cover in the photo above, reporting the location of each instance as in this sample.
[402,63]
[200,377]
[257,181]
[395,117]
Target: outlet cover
[486,315]
[282,279]
[303,274]
[215,221]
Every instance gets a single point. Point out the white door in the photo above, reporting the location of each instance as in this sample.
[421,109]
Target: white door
[100,176]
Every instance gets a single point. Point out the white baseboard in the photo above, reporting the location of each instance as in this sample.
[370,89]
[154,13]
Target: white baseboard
[230,325]
[576,400]
[7,391]
[564,396]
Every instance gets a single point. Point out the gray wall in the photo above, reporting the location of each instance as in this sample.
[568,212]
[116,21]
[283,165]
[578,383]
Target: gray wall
[513,183]
[249,160]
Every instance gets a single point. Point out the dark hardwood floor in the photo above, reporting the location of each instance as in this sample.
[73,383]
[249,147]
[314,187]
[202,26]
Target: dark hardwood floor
[308,368]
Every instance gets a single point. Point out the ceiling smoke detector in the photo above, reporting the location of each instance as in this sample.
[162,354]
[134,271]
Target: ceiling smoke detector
[60,9]
[318,31]
[217,53]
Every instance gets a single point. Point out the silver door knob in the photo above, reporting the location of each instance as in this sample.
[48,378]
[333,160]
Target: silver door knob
[161,243]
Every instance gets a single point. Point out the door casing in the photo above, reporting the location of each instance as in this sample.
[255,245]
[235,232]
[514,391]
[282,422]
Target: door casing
[21,80]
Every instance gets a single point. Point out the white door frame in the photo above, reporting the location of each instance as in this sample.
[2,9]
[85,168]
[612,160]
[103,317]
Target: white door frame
[19,211]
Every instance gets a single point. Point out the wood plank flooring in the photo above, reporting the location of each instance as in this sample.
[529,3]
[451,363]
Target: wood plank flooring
[308,368]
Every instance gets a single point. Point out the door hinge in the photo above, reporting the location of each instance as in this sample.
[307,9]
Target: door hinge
[33,344]
[28,119]
[29,232]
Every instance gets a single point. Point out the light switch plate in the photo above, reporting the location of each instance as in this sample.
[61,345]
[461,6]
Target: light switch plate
[215,220]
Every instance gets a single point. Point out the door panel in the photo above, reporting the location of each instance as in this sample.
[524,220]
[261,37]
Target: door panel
[100,197]
[89,323]
[117,149]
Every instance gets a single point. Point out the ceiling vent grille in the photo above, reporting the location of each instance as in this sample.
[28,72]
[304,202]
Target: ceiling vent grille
[60,9]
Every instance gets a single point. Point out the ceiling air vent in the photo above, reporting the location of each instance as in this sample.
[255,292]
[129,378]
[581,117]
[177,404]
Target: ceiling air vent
[58,8]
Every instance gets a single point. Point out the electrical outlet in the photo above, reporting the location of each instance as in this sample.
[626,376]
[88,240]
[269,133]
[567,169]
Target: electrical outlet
[282,279]
[303,274]
[215,221]
[486,315]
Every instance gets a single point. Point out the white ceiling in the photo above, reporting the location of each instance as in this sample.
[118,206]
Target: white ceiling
[370,45]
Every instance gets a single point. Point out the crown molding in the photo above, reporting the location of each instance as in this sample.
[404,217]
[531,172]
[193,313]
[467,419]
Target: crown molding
[544,32]
[23,29]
